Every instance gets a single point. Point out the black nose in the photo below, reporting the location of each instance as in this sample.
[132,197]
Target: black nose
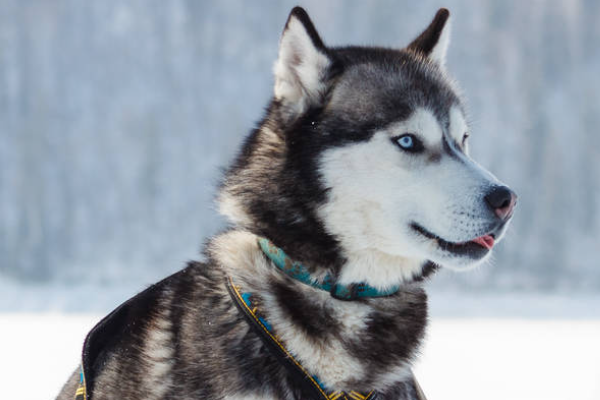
[502,200]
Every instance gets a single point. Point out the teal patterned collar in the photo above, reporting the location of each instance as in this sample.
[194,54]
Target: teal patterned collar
[299,272]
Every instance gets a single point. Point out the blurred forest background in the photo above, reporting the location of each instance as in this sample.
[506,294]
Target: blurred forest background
[116,117]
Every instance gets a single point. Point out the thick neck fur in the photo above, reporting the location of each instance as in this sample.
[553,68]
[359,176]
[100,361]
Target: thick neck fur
[273,191]
[367,344]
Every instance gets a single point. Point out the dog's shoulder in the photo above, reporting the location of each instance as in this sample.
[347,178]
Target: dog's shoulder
[144,318]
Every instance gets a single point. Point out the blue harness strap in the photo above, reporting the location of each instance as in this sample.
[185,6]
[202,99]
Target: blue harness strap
[300,273]
[80,393]
[309,383]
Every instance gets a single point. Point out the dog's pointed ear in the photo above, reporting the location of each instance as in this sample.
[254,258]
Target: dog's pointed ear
[302,65]
[434,40]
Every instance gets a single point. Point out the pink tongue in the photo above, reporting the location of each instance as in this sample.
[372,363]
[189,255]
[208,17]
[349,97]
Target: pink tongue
[486,241]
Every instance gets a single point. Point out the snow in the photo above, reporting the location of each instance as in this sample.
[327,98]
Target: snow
[500,358]
[39,352]
[511,359]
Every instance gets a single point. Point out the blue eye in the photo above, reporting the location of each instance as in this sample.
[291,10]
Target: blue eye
[406,142]
[409,142]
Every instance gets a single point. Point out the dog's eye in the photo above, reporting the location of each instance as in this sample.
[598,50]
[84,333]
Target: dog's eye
[409,142]
[465,137]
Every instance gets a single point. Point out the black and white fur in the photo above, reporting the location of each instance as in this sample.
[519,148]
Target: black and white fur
[323,178]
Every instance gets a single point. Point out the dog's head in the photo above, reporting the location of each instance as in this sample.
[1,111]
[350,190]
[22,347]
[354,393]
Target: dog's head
[366,149]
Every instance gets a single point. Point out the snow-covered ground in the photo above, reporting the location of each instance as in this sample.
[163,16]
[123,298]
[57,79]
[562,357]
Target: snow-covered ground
[511,359]
[490,359]
[38,352]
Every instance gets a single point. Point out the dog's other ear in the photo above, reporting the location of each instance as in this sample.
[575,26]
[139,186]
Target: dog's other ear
[434,40]
[302,65]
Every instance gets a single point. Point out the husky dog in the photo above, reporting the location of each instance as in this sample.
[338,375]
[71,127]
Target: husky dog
[356,185]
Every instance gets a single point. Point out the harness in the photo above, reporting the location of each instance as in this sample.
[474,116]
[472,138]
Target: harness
[310,384]
[80,393]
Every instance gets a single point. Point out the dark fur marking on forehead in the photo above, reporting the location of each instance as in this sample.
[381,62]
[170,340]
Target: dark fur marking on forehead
[386,85]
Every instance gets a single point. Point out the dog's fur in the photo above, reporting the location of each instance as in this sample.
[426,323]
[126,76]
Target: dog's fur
[324,178]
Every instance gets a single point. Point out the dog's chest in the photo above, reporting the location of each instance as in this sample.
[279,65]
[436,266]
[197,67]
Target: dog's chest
[327,357]
[326,347]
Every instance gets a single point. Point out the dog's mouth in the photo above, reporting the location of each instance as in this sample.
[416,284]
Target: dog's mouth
[475,248]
